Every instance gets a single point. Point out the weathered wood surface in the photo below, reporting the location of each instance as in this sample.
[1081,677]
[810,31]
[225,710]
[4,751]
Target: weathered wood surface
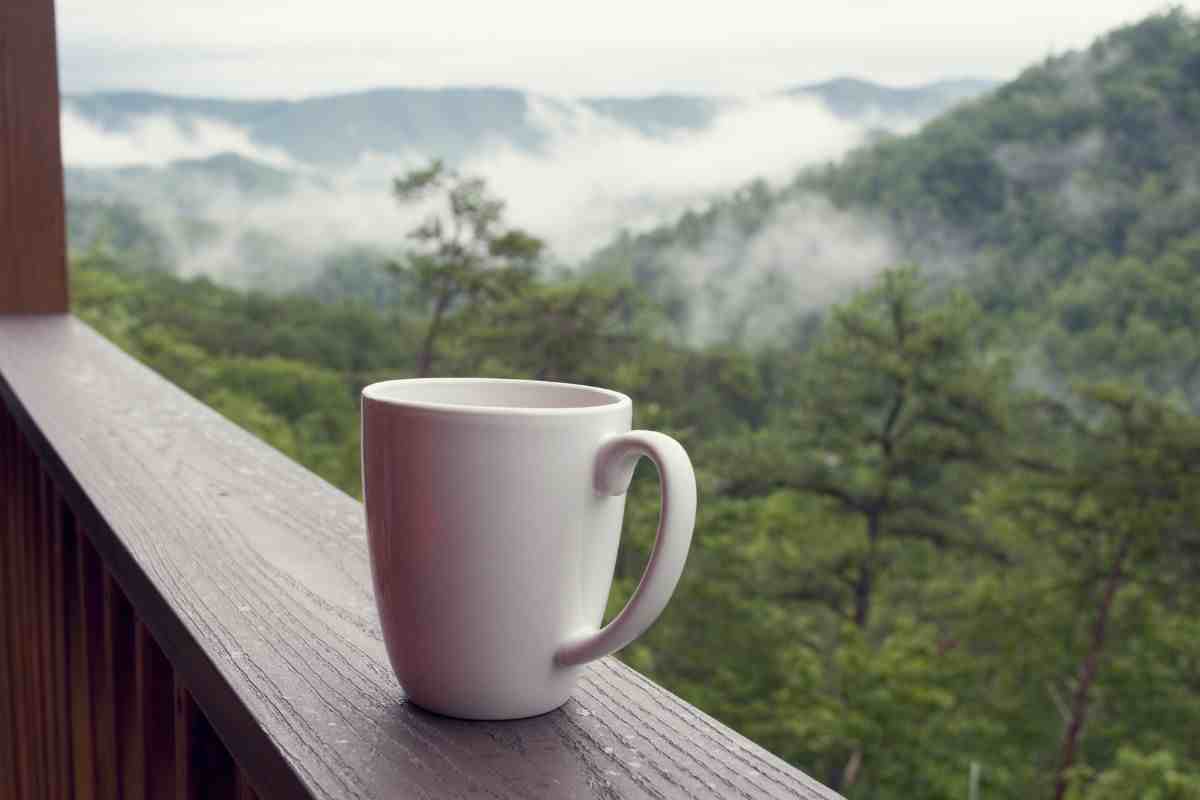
[252,575]
[33,249]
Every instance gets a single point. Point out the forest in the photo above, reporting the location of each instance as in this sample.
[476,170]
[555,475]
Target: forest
[949,530]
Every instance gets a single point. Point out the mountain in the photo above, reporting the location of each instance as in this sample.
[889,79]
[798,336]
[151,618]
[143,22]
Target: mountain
[183,178]
[283,190]
[336,130]
[1042,197]
[851,98]
[223,214]
[660,114]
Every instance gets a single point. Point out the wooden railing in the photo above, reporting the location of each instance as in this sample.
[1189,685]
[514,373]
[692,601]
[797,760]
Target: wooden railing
[91,705]
[186,612]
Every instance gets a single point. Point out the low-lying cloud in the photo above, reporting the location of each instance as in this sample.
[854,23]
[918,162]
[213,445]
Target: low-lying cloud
[156,140]
[595,176]
[806,255]
[592,178]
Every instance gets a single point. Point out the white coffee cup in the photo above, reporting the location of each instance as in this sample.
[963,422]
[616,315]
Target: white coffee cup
[494,512]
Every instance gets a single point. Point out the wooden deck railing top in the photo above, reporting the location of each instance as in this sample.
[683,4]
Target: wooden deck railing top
[251,573]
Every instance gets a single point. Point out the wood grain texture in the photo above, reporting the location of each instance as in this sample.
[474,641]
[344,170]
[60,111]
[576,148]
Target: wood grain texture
[33,261]
[252,575]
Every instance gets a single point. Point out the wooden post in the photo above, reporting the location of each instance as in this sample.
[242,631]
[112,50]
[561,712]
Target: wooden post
[33,251]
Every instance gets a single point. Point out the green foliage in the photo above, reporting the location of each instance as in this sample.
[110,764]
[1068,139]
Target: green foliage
[893,422]
[94,224]
[1125,318]
[572,332]
[288,369]
[464,259]
[1115,506]
[971,625]
[1085,160]
[1137,776]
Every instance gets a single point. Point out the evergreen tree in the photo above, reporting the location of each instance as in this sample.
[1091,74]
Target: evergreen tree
[1119,508]
[896,418]
[464,255]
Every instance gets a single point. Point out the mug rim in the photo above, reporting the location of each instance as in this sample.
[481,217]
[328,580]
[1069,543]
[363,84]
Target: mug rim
[614,400]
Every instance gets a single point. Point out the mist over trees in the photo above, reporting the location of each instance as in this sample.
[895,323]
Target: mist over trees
[284,195]
[950,515]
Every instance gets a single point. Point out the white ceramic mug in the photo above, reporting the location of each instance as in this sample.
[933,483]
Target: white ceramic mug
[494,512]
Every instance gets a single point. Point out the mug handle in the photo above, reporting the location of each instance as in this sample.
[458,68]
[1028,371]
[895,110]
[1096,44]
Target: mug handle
[614,471]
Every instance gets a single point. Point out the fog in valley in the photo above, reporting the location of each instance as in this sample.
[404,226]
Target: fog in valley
[588,176]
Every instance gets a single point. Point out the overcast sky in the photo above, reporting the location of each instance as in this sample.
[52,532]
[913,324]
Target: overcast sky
[297,48]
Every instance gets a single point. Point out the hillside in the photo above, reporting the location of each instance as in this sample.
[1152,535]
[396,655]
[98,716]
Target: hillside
[273,194]
[183,179]
[1028,196]
[217,215]
[853,98]
[336,130]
